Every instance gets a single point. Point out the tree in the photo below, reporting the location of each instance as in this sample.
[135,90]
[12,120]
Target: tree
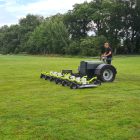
[116,20]
[50,37]
[77,19]
[27,26]
[9,39]
[92,46]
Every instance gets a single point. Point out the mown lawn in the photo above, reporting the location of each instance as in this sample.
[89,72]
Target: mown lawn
[34,109]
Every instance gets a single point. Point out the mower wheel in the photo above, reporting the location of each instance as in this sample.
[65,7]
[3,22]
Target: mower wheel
[68,83]
[46,77]
[64,83]
[51,79]
[57,81]
[41,76]
[97,82]
[73,86]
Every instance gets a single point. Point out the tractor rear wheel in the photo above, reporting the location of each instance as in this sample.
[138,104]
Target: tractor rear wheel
[106,73]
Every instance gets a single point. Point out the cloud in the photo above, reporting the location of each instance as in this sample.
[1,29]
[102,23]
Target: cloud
[13,10]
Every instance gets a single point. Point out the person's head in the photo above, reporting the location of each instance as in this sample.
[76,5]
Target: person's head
[106,45]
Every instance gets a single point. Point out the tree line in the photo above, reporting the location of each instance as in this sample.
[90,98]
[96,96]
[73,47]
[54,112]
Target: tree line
[81,31]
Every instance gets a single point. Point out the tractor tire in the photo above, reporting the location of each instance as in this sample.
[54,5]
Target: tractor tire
[106,73]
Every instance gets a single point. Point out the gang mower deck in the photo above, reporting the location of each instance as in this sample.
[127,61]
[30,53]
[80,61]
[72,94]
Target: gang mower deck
[70,80]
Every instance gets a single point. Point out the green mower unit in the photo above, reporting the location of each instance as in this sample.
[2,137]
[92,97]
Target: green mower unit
[70,80]
[90,74]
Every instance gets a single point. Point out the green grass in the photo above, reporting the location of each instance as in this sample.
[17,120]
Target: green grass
[34,109]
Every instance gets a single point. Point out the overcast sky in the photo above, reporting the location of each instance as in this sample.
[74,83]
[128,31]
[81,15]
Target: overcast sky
[12,10]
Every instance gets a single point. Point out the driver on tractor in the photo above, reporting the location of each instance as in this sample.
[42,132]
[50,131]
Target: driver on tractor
[107,56]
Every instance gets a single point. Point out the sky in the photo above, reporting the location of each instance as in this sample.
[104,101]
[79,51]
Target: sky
[12,10]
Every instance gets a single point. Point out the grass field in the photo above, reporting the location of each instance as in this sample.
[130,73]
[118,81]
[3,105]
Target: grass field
[34,109]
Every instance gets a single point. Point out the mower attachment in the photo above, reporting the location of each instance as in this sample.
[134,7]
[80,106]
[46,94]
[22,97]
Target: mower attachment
[71,80]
